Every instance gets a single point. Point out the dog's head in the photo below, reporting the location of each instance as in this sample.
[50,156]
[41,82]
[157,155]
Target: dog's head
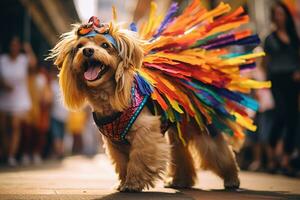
[95,55]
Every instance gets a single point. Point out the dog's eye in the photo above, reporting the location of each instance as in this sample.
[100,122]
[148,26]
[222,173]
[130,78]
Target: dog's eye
[105,45]
[79,46]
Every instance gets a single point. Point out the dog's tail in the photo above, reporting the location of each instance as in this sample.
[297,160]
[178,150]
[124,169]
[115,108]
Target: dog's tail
[193,71]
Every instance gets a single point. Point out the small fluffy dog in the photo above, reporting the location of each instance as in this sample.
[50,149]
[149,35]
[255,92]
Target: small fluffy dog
[98,63]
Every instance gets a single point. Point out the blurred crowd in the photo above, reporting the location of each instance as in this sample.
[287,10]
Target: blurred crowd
[275,145]
[33,121]
[34,125]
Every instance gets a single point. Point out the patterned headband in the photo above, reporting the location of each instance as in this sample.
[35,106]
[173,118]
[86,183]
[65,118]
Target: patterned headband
[94,27]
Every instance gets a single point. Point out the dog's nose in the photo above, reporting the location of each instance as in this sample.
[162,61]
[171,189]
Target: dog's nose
[88,52]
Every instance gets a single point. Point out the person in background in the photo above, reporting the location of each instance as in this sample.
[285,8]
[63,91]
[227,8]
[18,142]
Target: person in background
[28,128]
[282,66]
[3,135]
[75,125]
[43,125]
[59,115]
[14,98]
[91,139]
[263,118]
[34,134]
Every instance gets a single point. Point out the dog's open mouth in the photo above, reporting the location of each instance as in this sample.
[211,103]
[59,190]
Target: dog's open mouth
[94,70]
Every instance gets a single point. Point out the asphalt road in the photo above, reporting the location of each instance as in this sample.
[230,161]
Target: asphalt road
[93,178]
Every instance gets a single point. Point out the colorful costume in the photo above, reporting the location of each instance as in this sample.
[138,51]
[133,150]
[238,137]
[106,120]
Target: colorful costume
[190,72]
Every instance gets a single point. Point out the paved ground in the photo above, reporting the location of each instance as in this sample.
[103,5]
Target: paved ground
[93,178]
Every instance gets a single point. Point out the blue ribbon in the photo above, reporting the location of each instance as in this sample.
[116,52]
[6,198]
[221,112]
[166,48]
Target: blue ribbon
[106,35]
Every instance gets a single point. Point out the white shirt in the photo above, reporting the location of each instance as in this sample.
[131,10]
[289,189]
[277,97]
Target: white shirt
[15,73]
[58,112]
[40,81]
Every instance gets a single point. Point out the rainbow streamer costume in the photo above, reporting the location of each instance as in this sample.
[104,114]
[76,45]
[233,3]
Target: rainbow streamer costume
[190,73]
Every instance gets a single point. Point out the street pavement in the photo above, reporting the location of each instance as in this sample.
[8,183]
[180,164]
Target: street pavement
[79,177]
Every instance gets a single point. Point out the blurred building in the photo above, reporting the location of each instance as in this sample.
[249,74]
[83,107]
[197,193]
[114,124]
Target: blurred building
[42,21]
[127,11]
[134,10]
[39,22]
[259,12]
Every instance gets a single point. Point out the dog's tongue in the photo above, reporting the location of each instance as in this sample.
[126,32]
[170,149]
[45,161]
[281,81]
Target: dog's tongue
[92,73]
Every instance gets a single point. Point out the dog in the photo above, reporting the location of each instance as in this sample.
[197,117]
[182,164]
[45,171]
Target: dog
[99,69]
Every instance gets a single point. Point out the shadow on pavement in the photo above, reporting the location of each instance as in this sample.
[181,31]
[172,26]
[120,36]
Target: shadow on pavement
[145,196]
[240,194]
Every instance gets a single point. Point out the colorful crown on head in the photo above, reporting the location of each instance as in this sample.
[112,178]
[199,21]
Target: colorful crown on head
[94,27]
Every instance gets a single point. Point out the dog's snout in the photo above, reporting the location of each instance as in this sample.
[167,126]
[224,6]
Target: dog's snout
[88,52]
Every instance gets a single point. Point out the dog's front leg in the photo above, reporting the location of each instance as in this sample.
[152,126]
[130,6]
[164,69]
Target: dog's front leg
[119,157]
[148,155]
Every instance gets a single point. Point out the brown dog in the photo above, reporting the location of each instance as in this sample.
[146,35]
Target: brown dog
[99,70]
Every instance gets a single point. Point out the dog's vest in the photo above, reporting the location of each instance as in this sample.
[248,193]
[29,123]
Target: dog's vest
[116,126]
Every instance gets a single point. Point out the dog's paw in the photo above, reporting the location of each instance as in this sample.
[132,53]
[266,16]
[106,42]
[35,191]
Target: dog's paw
[178,184]
[232,184]
[118,187]
[127,187]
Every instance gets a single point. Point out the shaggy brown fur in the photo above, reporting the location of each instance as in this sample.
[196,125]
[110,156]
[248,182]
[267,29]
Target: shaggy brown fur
[143,161]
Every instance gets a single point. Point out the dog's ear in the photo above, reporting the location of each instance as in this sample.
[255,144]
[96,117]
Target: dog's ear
[72,97]
[130,52]
[62,54]
[129,48]
[119,76]
[131,58]
[63,48]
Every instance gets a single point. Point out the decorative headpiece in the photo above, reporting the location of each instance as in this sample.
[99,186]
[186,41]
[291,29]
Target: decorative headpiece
[94,27]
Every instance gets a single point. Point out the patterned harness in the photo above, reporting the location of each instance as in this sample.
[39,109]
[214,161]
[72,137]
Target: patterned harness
[116,126]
